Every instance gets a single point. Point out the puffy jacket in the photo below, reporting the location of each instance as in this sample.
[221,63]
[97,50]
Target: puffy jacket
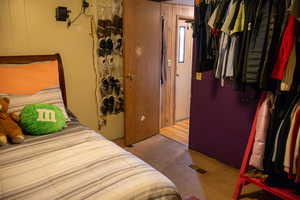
[262,125]
[255,55]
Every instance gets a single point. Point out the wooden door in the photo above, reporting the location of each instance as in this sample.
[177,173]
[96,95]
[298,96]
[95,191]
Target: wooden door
[183,70]
[142,50]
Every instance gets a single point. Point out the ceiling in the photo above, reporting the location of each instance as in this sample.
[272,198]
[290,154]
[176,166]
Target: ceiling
[181,2]
[184,2]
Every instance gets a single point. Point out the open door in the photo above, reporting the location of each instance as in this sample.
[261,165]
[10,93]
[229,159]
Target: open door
[183,69]
[142,51]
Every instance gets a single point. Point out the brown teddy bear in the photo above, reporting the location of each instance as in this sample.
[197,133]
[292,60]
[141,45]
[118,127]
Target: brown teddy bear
[8,126]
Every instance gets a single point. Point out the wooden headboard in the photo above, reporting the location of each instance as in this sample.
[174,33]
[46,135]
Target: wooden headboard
[39,58]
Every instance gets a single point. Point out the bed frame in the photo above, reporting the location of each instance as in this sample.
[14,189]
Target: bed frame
[39,58]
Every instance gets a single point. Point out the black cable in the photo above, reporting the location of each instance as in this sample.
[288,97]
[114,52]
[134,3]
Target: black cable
[84,6]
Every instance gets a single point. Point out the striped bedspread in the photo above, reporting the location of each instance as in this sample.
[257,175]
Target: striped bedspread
[78,163]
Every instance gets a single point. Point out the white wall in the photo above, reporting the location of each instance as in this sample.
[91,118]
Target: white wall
[29,27]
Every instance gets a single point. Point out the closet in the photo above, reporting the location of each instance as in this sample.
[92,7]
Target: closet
[252,48]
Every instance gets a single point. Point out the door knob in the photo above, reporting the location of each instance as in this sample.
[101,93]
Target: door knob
[177,75]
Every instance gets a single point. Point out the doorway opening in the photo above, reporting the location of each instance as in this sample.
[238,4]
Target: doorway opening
[151,104]
[178,129]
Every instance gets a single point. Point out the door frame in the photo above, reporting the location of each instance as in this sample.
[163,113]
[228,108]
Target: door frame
[186,18]
[126,69]
[172,88]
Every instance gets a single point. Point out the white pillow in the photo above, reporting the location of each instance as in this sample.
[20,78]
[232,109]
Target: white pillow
[50,95]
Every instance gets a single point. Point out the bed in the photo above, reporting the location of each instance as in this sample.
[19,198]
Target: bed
[75,163]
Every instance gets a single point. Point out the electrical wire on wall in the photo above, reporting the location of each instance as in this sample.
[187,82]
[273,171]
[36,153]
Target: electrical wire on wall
[93,34]
[96,71]
[84,6]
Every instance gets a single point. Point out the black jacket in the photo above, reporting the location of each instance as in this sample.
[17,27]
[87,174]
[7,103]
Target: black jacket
[273,43]
[254,56]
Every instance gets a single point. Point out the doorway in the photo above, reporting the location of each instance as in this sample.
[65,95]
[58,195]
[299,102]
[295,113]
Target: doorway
[150,105]
[183,70]
[179,130]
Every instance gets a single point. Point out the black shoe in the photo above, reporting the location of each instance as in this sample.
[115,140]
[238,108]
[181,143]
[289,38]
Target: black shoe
[104,88]
[119,107]
[104,28]
[111,104]
[105,106]
[111,81]
[101,52]
[109,46]
[117,87]
[106,47]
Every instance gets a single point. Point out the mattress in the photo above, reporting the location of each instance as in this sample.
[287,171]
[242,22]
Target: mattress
[78,163]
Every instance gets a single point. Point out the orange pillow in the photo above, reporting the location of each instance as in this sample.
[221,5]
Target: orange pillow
[28,79]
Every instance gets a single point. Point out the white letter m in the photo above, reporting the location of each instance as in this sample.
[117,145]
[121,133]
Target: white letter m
[46,115]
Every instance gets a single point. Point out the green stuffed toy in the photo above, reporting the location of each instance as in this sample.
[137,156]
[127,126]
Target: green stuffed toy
[40,119]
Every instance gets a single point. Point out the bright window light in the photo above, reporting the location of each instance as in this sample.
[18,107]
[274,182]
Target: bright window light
[181,53]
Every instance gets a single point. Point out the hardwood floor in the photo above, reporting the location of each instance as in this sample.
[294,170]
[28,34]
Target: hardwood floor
[178,132]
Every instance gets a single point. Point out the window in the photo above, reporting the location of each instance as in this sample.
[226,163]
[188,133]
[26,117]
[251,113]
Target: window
[181,47]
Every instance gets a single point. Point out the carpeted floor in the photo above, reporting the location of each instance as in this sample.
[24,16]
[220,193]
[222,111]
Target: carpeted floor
[215,181]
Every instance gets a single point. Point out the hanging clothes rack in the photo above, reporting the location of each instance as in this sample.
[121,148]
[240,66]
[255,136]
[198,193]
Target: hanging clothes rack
[243,179]
[251,70]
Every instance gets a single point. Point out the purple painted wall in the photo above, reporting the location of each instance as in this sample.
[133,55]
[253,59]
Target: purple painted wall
[220,122]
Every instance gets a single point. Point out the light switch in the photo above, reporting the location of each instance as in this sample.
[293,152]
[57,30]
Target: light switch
[169,63]
[198,76]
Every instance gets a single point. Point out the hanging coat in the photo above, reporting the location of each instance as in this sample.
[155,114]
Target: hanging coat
[200,36]
[291,141]
[288,75]
[164,52]
[256,50]
[262,125]
[282,132]
[229,44]
[284,105]
[296,9]
[221,14]
[249,10]
[287,45]
[272,44]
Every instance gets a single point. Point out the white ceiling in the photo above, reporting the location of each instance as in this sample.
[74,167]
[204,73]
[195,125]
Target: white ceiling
[184,2]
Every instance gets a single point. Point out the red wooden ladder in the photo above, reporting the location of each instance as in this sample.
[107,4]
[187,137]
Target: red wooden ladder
[244,180]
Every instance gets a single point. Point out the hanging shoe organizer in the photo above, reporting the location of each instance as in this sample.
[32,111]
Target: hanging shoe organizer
[110,58]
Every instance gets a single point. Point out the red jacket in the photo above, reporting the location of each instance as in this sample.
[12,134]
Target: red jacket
[287,43]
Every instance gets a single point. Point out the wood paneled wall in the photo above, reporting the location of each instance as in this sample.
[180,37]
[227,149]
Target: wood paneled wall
[171,12]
